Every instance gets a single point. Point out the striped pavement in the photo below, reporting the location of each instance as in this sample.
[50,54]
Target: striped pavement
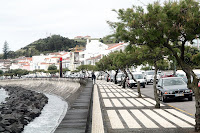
[123,111]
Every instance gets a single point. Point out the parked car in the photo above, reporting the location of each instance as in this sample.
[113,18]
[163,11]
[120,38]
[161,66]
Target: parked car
[138,76]
[173,87]
[120,77]
[149,76]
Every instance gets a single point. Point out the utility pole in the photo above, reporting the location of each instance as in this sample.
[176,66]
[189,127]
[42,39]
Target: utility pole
[60,67]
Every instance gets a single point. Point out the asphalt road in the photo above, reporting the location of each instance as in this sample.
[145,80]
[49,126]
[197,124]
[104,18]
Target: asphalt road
[183,104]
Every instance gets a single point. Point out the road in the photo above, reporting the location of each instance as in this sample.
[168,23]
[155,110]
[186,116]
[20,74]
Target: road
[183,104]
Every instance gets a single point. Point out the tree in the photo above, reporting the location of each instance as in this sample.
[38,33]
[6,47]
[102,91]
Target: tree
[5,50]
[171,26]
[1,72]
[52,69]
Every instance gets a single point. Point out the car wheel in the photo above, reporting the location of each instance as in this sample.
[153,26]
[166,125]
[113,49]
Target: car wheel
[163,99]
[144,85]
[190,98]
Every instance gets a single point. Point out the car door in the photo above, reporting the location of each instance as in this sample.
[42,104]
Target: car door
[160,87]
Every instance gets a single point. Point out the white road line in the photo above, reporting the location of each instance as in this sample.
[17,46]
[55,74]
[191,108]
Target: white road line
[114,120]
[119,90]
[113,90]
[137,94]
[172,118]
[130,121]
[117,103]
[97,122]
[124,94]
[110,95]
[107,90]
[104,95]
[145,121]
[118,95]
[181,115]
[107,103]
[126,102]
[164,123]
[102,90]
[144,102]
[132,95]
[135,102]
[153,101]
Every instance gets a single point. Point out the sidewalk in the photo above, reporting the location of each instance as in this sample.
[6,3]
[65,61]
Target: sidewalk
[77,118]
[119,110]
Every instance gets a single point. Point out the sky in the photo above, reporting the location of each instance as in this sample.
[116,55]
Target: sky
[25,21]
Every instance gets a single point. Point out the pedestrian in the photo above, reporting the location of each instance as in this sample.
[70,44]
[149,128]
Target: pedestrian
[93,78]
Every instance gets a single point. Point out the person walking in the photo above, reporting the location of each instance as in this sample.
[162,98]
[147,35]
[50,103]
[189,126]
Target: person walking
[93,77]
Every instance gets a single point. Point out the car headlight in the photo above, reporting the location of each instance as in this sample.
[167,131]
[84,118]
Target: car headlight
[187,91]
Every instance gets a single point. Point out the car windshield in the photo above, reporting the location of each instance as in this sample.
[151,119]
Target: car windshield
[174,81]
[138,76]
[150,73]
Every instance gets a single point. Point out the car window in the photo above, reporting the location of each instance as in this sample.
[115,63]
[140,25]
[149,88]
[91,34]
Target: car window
[170,82]
[150,73]
[138,76]
[160,82]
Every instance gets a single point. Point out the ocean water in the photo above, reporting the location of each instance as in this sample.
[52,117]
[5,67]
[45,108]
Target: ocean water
[50,117]
[3,95]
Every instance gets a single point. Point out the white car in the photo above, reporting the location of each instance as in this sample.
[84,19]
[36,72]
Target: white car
[138,76]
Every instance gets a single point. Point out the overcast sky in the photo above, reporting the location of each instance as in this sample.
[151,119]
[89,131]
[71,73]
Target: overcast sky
[24,21]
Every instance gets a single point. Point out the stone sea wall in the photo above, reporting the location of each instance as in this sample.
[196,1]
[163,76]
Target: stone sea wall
[66,88]
[26,99]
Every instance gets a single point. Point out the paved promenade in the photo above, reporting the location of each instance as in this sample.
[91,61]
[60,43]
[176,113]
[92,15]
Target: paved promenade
[117,110]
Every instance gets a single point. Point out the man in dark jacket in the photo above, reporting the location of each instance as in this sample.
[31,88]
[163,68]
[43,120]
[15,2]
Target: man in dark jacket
[93,77]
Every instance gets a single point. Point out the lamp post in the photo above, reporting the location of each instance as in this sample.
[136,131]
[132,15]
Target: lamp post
[60,62]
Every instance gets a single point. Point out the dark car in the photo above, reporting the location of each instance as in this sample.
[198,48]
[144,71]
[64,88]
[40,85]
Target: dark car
[173,87]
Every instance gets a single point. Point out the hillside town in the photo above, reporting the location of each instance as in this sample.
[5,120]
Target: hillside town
[91,54]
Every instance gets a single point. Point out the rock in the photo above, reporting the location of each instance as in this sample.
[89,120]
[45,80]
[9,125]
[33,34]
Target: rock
[20,108]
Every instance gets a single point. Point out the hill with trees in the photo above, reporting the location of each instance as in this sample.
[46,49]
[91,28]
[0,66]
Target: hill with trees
[50,44]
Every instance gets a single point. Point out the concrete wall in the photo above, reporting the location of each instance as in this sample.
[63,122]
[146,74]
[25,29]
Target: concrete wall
[68,89]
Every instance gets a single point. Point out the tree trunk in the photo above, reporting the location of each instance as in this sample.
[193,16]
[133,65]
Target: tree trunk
[154,87]
[138,88]
[193,84]
[116,76]
[197,105]
[124,80]
[138,84]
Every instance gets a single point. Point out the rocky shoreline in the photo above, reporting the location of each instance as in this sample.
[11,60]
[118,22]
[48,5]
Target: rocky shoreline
[20,108]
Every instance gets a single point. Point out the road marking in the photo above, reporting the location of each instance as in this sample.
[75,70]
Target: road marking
[145,121]
[132,95]
[113,90]
[107,90]
[181,115]
[144,102]
[107,103]
[135,102]
[130,121]
[97,123]
[124,94]
[102,90]
[114,120]
[104,95]
[153,101]
[119,90]
[126,102]
[181,110]
[172,118]
[136,93]
[110,95]
[118,95]
[158,119]
[117,103]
